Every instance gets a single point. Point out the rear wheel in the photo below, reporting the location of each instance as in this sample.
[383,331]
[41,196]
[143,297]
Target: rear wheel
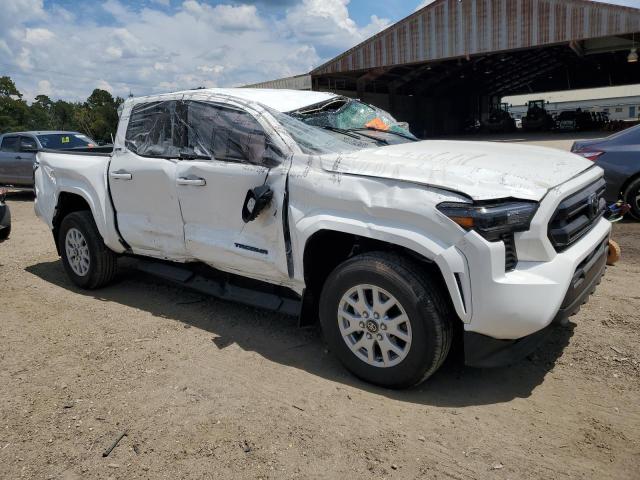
[387,322]
[86,259]
[632,197]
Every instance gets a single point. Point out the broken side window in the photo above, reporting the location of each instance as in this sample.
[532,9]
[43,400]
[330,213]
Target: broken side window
[154,130]
[227,134]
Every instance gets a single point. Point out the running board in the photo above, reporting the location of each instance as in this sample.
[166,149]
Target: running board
[221,286]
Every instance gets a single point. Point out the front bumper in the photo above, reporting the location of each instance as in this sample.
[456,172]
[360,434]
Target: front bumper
[485,351]
[513,305]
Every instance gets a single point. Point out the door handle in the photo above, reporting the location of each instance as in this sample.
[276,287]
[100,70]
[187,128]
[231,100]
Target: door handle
[193,181]
[121,175]
[18,157]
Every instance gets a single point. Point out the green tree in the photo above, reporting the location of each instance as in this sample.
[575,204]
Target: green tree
[64,115]
[8,88]
[14,111]
[40,114]
[97,116]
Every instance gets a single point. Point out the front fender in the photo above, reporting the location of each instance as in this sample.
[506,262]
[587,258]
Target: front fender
[449,260]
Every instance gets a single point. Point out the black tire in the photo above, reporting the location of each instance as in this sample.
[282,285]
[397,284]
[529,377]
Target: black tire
[103,261]
[5,232]
[632,197]
[421,297]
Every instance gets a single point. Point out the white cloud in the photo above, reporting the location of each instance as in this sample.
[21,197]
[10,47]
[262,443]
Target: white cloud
[327,23]
[44,87]
[104,85]
[38,36]
[20,10]
[423,4]
[116,9]
[157,49]
[225,17]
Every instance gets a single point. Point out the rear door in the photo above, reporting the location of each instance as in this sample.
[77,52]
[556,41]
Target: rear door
[142,179]
[236,154]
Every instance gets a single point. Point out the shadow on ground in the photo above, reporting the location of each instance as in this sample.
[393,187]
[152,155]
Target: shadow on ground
[279,339]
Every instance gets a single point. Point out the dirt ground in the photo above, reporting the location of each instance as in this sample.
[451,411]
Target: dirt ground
[208,389]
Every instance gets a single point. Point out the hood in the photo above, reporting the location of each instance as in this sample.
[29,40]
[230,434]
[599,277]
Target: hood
[480,170]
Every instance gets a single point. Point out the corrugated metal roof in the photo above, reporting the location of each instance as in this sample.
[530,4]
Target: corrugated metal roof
[298,82]
[457,28]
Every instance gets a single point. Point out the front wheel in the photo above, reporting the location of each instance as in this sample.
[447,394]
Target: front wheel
[86,259]
[387,322]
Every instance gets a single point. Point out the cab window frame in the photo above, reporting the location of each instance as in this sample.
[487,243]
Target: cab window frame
[269,142]
[16,145]
[28,138]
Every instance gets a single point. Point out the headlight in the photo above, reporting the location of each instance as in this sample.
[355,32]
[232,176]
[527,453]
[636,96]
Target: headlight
[491,220]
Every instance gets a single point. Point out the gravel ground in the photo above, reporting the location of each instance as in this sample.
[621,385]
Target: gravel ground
[205,388]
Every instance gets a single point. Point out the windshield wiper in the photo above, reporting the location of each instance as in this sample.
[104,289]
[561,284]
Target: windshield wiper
[340,130]
[386,131]
[349,133]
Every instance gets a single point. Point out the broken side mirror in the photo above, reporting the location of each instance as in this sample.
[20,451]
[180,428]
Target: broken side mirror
[255,201]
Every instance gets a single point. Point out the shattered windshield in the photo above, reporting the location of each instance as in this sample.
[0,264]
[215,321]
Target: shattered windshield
[315,141]
[354,116]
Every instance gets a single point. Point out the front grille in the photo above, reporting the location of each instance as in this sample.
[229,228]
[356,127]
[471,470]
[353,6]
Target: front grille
[576,215]
[510,254]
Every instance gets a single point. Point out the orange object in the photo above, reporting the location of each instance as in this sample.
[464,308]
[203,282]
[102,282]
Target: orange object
[464,222]
[377,124]
[614,253]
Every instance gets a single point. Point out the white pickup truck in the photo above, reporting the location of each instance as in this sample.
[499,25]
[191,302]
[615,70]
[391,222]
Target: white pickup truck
[311,204]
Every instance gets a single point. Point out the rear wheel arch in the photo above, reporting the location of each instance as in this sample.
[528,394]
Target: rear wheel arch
[68,202]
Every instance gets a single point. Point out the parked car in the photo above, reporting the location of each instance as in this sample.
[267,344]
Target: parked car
[18,152]
[5,217]
[393,247]
[619,156]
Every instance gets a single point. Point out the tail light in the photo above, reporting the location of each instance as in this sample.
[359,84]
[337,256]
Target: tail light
[590,154]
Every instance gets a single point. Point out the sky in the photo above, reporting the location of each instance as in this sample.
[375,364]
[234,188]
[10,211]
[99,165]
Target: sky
[66,48]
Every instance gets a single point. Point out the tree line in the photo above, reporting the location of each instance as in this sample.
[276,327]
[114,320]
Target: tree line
[97,117]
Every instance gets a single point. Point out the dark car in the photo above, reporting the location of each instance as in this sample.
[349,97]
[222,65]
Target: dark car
[5,217]
[18,152]
[619,156]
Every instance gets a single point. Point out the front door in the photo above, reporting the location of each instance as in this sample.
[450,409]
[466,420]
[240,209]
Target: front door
[9,160]
[27,157]
[142,180]
[212,192]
